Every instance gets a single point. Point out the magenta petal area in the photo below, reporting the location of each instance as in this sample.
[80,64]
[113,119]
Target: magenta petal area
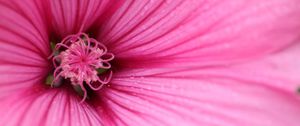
[73,16]
[279,71]
[52,107]
[200,32]
[257,93]
[24,46]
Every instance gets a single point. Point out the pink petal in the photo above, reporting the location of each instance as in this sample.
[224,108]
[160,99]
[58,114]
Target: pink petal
[253,93]
[202,32]
[72,16]
[17,78]
[279,70]
[47,107]
[24,46]
[22,30]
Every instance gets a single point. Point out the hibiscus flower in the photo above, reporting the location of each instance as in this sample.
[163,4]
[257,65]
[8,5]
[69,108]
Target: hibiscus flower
[149,62]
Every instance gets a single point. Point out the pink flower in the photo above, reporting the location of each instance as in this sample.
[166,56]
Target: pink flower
[180,62]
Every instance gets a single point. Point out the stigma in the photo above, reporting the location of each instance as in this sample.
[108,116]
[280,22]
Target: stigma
[83,61]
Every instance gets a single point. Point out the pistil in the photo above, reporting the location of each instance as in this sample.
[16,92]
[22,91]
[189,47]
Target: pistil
[83,61]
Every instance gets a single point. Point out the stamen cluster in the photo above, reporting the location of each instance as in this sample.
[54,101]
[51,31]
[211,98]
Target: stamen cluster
[80,59]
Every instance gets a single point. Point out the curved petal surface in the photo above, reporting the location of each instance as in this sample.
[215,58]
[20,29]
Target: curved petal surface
[206,32]
[24,45]
[47,107]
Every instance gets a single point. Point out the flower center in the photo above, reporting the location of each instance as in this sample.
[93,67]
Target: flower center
[82,60]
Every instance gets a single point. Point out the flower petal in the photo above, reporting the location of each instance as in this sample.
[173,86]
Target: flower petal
[262,92]
[23,31]
[72,16]
[24,45]
[279,70]
[47,107]
[17,78]
[199,31]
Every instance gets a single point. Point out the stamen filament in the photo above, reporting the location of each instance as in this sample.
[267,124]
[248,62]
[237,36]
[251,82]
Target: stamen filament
[79,60]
